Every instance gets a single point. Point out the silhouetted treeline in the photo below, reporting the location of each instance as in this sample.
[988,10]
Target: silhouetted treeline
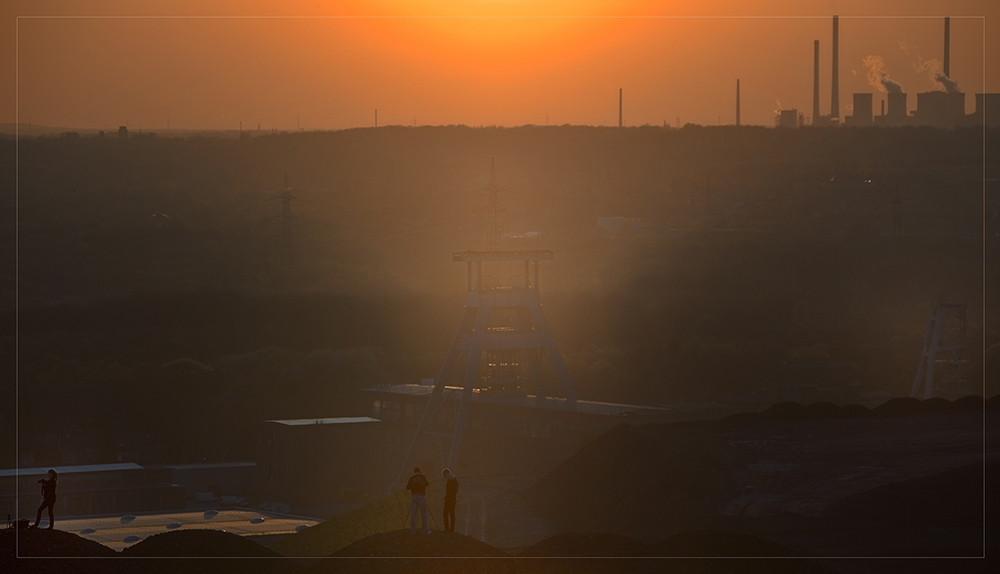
[161,286]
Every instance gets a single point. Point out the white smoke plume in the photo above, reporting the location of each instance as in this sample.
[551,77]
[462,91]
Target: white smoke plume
[933,67]
[777,101]
[878,77]
[935,70]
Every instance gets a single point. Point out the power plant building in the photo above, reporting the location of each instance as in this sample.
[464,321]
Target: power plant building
[987,110]
[788,118]
[940,109]
[862,114]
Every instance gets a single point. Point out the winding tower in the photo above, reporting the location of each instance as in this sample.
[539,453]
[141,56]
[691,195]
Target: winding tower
[498,349]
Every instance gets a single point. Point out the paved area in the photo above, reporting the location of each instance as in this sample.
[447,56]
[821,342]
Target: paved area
[120,531]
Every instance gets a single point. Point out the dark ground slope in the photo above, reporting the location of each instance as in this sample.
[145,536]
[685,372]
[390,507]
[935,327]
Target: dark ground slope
[49,543]
[627,479]
[587,544]
[950,498]
[55,552]
[403,543]
[601,552]
[207,551]
[938,516]
[401,552]
[197,543]
[653,481]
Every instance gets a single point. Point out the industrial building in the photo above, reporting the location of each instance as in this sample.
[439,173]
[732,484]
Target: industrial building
[304,462]
[788,118]
[862,111]
[510,432]
[942,109]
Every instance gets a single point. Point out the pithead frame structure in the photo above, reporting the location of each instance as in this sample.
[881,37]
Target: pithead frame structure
[498,346]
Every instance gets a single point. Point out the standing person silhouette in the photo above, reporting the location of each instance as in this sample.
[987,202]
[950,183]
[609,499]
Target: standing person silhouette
[450,497]
[417,485]
[48,497]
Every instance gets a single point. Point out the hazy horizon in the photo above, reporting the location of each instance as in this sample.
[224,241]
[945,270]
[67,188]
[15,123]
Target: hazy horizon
[470,63]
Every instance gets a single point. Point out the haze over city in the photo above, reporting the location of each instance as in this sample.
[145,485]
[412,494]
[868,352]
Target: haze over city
[467,62]
[679,286]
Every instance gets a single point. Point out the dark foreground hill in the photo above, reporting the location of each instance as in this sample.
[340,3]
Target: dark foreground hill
[198,543]
[652,481]
[49,543]
[182,552]
[400,552]
[692,552]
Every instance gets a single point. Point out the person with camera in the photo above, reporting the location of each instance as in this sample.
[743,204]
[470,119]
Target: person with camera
[48,498]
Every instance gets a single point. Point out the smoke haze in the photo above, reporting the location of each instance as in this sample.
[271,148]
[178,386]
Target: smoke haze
[878,77]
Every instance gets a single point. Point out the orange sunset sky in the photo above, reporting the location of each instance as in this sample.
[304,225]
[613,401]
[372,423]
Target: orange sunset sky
[503,62]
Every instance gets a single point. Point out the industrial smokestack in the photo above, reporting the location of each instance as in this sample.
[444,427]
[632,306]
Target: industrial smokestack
[620,107]
[947,45]
[815,81]
[737,101]
[835,96]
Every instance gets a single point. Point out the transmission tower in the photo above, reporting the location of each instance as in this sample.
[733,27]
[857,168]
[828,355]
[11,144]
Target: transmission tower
[498,347]
[285,218]
[494,230]
[942,367]
[897,215]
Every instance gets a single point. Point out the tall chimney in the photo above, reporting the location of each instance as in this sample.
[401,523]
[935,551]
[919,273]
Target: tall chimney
[815,82]
[947,45]
[835,96]
[737,101]
[620,107]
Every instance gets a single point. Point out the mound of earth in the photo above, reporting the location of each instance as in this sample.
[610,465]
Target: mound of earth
[50,543]
[742,417]
[950,498]
[825,410]
[71,554]
[587,544]
[380,515]
[969,403]
[898,407]
[401,543]
[400,552]
[198,543]
[627,480]
[855,412]
[936,405]
[788,411]
[993,403]
[652,481]
[663,556]
[714,543]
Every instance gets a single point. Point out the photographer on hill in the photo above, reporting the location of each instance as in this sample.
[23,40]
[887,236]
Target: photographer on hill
[48,497]
[417,485]
[450,497]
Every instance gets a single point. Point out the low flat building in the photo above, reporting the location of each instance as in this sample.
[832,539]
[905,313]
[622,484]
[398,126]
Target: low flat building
[511,433]
[219,478]
[119,532]
[91,489]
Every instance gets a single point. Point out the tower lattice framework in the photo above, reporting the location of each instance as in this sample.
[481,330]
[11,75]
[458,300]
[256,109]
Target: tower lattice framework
[497,351]
[942,367]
